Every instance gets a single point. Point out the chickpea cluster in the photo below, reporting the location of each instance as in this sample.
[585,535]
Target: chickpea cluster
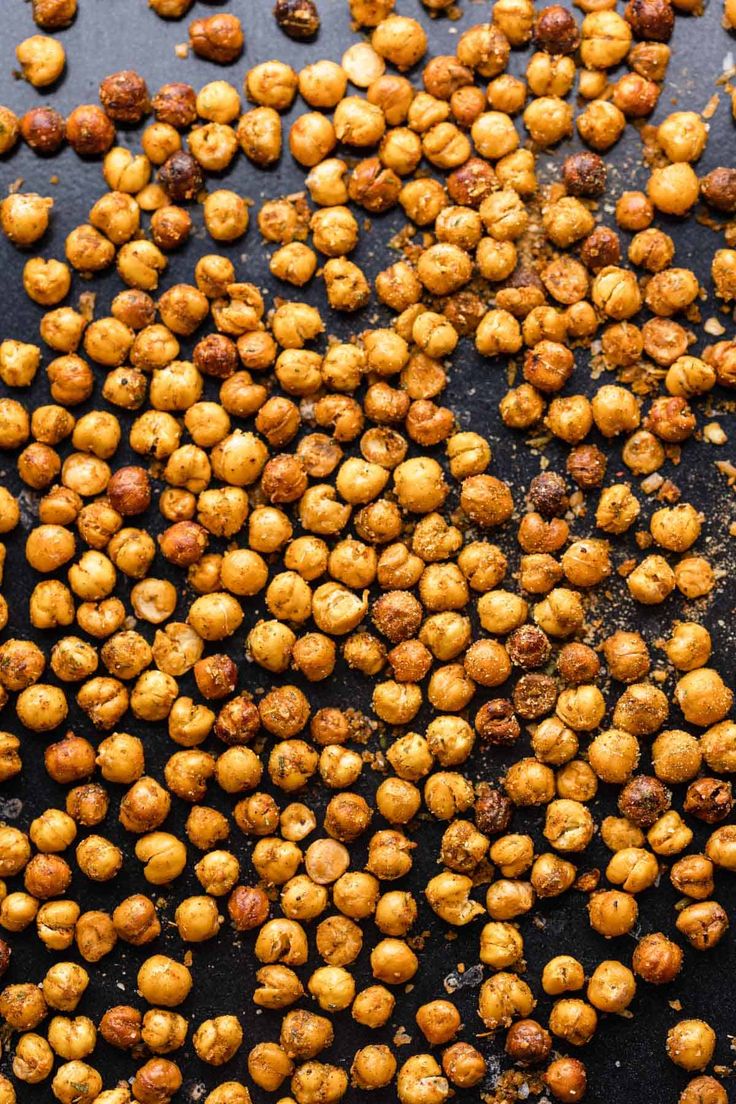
[239,496]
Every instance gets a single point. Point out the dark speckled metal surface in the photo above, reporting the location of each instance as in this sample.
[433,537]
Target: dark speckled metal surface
[626,1061]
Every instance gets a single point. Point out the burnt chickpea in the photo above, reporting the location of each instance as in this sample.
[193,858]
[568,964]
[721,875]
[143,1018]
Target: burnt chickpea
[709,799]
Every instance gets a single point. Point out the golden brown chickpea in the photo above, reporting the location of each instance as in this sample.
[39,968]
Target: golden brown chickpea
[159,141]
[439,1021]
[216,1041]
[690,1044]
[9,130]
[657,959]
[33,1060]
[612,912]
[703,696]
[673,189]
[704,924]
[67,1079]
[22,1006]
[502,998]
[163,981]
[601,124]
[562,974]
[705,1090]
[573,1020]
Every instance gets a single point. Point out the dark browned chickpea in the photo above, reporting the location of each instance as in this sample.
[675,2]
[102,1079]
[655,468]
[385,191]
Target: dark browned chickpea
[493,811]
[527,1042]
[556,31]
[175,104]
[124,96]
[181,176]
[600,249]
[472,183]
[89,131]
[566,1079]
[652,20]
[587,466]
[120,1026]
[709,799]
[644,800]
[718,189]
[129,491]
[299,19]
[248,907]
[43,129]
[584,174]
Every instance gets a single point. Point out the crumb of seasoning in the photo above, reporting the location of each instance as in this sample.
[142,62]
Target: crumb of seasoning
[727,469]
[714,433]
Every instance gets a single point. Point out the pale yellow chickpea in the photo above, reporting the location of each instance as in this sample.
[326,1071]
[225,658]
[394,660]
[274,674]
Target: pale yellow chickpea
[682,136]
[19,360]
[42,59]
[125,171]
[24,217]
[159,141]
[226,215]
